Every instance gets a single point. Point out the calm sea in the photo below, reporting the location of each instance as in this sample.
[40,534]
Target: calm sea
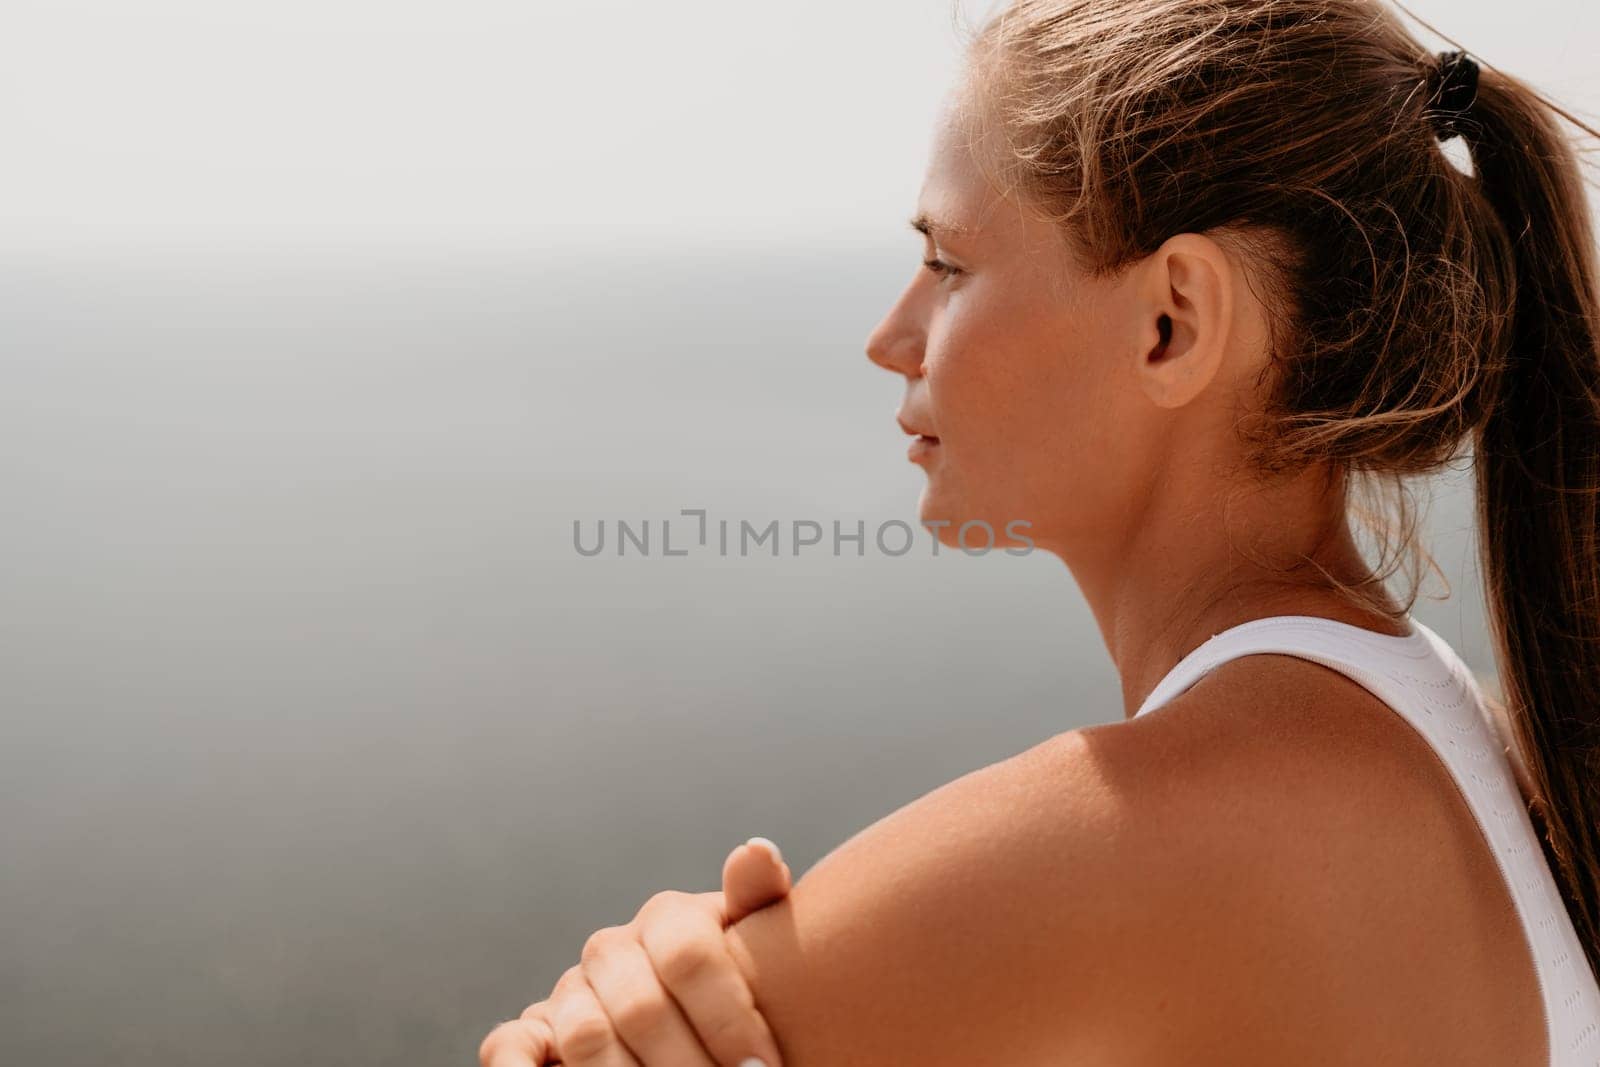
[322,742]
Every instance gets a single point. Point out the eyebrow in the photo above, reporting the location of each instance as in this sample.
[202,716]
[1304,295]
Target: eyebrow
[929,226]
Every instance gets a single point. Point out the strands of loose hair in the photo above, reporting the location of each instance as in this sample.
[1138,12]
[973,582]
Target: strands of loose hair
[1421,313]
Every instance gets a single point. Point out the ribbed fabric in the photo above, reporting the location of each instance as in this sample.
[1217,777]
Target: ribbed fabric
[1421,677]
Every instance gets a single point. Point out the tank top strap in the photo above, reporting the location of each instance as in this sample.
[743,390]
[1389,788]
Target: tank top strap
[1422,679]
[1348,649]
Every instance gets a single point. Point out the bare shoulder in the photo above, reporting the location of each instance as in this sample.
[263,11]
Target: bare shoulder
[1219,881]
[964,927]
[1356,912]
[1038,910]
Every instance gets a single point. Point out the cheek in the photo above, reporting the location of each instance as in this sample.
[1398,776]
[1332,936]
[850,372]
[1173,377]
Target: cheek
[1033,430]
[978,375]
[1017,399]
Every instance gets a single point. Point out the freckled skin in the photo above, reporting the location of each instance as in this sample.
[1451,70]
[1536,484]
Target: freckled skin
[1101,411]
[1208,885]
[1272,869]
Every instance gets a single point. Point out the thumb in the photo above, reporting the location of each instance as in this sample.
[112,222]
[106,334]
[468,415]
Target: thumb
[753,877]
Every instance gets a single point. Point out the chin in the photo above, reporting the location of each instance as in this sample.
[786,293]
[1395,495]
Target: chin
[983,530]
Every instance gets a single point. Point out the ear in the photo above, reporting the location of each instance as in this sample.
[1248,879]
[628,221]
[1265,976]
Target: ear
[1186,310]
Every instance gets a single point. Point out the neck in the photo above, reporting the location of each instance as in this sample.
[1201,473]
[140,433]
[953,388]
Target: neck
[1183,568]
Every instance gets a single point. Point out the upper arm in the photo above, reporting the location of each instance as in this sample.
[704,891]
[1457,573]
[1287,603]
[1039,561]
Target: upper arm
[983,922]
[1144,892]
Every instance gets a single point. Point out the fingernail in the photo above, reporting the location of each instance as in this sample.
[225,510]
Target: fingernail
[777,857]
[752,1061]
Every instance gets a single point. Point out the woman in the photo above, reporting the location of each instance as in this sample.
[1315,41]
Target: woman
[1195,271]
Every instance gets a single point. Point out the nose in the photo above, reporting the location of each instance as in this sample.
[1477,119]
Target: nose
[898,342]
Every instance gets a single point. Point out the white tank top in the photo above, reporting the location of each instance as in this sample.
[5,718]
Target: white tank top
[1421,677]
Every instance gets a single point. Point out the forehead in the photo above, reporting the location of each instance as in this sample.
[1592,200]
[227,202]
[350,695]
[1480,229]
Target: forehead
[958,201]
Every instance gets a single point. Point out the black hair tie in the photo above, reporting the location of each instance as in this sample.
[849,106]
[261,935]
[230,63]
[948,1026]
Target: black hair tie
[1454,94]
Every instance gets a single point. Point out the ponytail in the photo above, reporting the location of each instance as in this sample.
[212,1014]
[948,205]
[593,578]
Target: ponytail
[1415,308]
[1538,477]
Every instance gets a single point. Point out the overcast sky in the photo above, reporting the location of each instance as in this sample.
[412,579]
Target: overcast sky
[524,121]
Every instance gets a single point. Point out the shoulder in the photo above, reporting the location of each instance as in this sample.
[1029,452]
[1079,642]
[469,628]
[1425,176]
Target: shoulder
[935,935]
[1056,904]
[1341,880]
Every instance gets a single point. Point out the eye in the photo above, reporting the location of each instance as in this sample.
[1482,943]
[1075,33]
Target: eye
[940,267]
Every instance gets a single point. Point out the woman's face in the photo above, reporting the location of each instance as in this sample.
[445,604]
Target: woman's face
[1018,363]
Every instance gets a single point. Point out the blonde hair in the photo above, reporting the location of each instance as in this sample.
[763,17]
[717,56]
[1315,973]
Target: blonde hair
[1419,309]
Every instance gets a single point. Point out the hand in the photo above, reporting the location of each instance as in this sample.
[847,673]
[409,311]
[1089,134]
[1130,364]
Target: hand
[661,991]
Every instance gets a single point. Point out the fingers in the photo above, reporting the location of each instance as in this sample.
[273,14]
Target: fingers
[664,989]
[682,934]
[753,876]
[524,1042]
[641,1010]
[584,1035]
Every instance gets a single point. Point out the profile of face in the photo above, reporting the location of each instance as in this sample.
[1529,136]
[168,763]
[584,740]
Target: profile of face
[1045,394]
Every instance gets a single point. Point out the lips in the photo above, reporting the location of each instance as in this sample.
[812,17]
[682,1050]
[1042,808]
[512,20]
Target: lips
[915,431]
[926,444]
